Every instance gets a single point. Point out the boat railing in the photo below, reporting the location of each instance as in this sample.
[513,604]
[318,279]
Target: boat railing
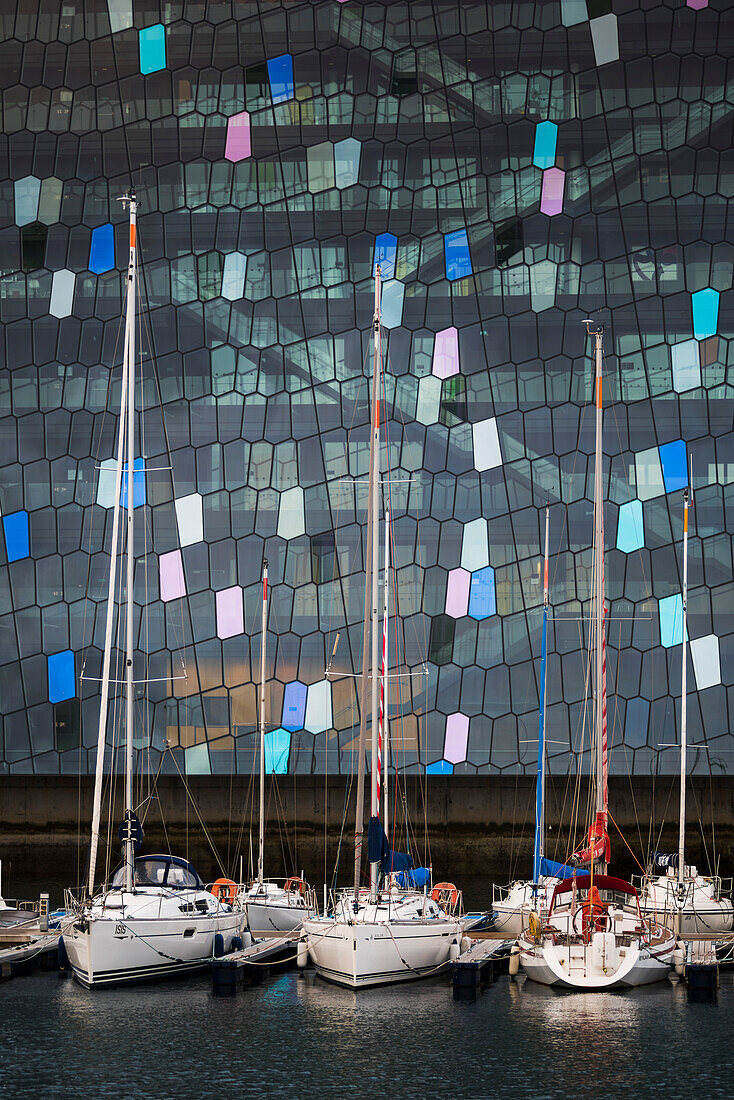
[722,887]
[500,893]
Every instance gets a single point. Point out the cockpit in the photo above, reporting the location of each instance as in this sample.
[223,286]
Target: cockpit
[170,871]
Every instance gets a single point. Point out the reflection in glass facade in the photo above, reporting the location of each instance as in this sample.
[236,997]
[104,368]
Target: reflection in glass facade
[514,166]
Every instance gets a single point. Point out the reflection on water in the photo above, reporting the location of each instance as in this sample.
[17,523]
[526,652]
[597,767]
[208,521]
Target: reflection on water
[297,1036]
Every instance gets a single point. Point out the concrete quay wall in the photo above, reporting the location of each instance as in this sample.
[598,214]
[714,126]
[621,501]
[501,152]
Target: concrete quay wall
[473,824]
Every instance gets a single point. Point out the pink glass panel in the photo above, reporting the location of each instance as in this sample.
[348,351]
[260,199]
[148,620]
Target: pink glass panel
[457,593]
[446,353]
[551,198]
[172,580]
[238,145]
[457,737]
[697,5]
[230,613]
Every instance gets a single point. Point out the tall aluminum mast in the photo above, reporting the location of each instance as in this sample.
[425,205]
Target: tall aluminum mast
[129,200]
[263,645]
[375,480]
[683,717]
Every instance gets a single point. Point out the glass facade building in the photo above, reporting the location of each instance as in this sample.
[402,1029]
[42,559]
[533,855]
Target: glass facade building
[514,166]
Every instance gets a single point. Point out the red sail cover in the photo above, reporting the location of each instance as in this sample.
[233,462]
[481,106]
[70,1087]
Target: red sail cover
[598,843]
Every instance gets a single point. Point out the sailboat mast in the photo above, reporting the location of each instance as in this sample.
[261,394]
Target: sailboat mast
[384,695]
[375,479]
[600,723]
[683,706]
[263,644]
[539,850]
[109,625]
[129,200]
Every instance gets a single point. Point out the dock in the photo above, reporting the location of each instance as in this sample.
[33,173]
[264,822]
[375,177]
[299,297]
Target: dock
[249,965]
[478,966]
[41,953]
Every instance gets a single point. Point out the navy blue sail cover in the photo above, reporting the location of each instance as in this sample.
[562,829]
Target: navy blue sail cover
[417,878]
[556,870]
[664,859]
[379,851]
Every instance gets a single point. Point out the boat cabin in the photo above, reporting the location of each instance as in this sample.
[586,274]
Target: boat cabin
[161,870]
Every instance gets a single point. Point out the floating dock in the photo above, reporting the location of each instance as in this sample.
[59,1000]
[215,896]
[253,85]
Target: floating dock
[249,965]
[479,966]
[41,953]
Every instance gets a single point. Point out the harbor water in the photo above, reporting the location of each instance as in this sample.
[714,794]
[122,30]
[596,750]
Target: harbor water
[297,1036]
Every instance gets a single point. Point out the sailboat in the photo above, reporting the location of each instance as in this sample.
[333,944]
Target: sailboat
[271,906]
[156,918]
[594,935]
[513,905]
[394,931]
[682,899]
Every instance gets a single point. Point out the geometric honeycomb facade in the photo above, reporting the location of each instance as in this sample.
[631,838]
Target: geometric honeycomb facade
[514,166]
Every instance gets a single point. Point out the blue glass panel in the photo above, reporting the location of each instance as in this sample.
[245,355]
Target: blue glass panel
[630,530]
[544,153]
[61,679]
[674,462]
[277,748]
[670,609]
[102,251]
[386,250]
[280,74]
[705,305]
[456,251]
[16,535]
[138,484]
[152,49]
[441,767]
[294,706]
[482,601]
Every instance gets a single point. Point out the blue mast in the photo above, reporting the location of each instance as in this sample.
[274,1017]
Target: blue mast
[540,783]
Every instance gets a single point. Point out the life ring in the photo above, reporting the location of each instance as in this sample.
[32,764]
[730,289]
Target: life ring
[224,889]
[295,884]
[535,926]
[446,894]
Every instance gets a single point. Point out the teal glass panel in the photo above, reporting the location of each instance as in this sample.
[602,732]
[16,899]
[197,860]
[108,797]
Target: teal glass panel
[277,749]
[544,153]
[630,530]
[152,49]
[670,609]
[705,304]
[440,767]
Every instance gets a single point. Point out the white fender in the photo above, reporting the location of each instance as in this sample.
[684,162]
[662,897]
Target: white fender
[514,964]
[679,958]
[302,952]
[454,950]
[466,943]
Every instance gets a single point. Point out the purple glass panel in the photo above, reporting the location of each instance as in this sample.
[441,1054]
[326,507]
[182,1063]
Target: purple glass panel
[551,198]
[294,706]
[230,613]
[238,145]
[172,580]
[457,737]
[697,5]
[457,593]
[446,353]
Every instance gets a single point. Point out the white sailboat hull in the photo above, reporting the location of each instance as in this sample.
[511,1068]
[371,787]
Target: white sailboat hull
[267,917]
[702,912]
[581,967]
[359,955]
[106,949]
[511,912]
